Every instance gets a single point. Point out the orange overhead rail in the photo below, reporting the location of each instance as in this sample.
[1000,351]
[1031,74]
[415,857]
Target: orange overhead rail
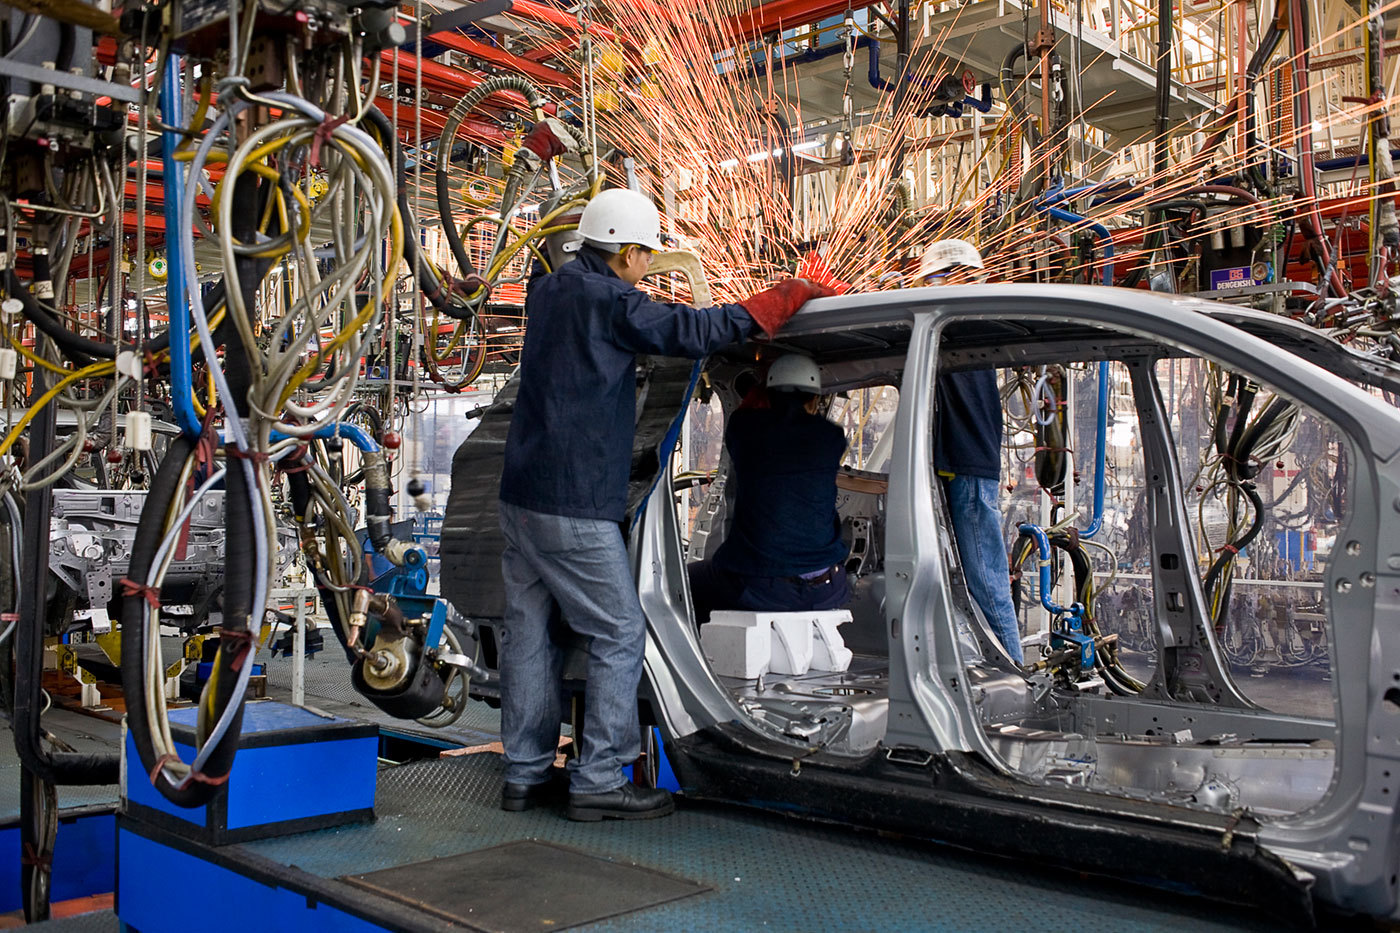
[530,69]
[781,15]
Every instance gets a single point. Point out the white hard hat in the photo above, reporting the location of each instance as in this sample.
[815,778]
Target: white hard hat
[945,254]
[795,371]
[620,217]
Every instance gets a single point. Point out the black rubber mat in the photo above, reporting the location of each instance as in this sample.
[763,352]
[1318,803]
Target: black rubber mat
[522,887]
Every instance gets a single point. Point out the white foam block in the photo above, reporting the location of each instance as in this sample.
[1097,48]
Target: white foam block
[829,651]
[740,617]
[735,649]
[792,642]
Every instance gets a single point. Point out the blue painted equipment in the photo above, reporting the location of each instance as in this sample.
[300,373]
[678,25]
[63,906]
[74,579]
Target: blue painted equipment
[1068,630]
[295,770]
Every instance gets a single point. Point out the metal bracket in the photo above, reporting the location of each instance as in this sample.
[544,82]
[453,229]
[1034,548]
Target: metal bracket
[456,19]
[94,86]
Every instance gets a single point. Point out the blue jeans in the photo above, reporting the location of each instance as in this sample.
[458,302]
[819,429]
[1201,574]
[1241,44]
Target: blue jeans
[568,573]
[976,513]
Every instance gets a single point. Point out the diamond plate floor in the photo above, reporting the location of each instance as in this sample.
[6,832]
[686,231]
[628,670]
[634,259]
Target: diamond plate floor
[766,871]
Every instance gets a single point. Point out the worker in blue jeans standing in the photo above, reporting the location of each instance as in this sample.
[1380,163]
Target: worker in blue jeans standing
[967,456]
[564,494]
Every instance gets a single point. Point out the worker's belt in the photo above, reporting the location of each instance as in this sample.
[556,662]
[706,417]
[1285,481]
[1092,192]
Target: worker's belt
[816,578]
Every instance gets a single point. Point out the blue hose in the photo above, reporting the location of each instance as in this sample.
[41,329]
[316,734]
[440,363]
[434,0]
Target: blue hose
[1101,442]
[1042,544]
[351,432]
[181,366]
[1100,231]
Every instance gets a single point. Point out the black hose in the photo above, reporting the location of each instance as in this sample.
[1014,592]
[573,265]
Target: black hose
[1235,453]
[240,569]
[533,99]
[427,280]
[377,511]
[49,767]
[149,532]
[14,530]
[1218,566]
[239,565]
[80,349]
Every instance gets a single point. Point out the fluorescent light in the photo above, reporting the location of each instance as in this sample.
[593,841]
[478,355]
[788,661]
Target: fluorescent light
[758,156]
[729,163]
[807,146]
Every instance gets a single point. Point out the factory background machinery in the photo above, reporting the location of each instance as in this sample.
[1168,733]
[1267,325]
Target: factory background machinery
[263,270]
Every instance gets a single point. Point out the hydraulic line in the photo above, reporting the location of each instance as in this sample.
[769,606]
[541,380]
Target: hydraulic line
[135,636]
[533,99]
[429,279]
[49,767]
[1310,217]
[181,361]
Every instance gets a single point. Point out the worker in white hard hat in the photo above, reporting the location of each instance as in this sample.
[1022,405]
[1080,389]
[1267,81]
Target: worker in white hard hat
[967,441]
[563,496]
[784,550]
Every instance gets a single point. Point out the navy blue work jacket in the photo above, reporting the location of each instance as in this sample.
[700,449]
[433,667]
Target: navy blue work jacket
[968,428]
[785,521]
[569,450]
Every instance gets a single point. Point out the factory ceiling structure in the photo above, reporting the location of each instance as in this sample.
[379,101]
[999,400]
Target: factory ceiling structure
[307,306]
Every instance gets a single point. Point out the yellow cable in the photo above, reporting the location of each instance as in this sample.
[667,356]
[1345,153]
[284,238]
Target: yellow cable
[360,319]
[87,372]
[200,112]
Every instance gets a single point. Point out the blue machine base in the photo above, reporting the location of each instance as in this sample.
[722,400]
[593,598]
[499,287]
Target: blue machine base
[84,857]
[295,771]
[253,892]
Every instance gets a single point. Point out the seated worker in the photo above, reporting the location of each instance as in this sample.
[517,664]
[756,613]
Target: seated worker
[784,550]
[967,455]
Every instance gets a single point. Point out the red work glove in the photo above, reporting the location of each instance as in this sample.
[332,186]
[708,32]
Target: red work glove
[772,307]
[548,138]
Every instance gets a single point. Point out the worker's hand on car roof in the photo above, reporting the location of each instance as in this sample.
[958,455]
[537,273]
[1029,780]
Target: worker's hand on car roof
[772,307]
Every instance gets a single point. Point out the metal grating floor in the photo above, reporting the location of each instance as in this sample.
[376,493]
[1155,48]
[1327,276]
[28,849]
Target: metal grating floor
[767,871]
[84,733]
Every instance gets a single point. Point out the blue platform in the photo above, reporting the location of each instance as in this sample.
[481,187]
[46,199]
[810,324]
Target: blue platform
[295,770]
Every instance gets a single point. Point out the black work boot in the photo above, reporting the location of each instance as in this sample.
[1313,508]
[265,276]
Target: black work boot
[518,797]
[628,802]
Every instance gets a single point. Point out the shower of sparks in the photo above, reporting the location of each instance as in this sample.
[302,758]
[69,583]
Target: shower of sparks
[713,119]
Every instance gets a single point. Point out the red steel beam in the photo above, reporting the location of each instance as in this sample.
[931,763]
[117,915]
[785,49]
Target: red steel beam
[781,15]
[434,122]
[555,17]
[530,69]
[445,79]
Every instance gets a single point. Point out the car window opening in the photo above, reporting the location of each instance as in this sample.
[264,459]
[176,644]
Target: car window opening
[1124,720]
